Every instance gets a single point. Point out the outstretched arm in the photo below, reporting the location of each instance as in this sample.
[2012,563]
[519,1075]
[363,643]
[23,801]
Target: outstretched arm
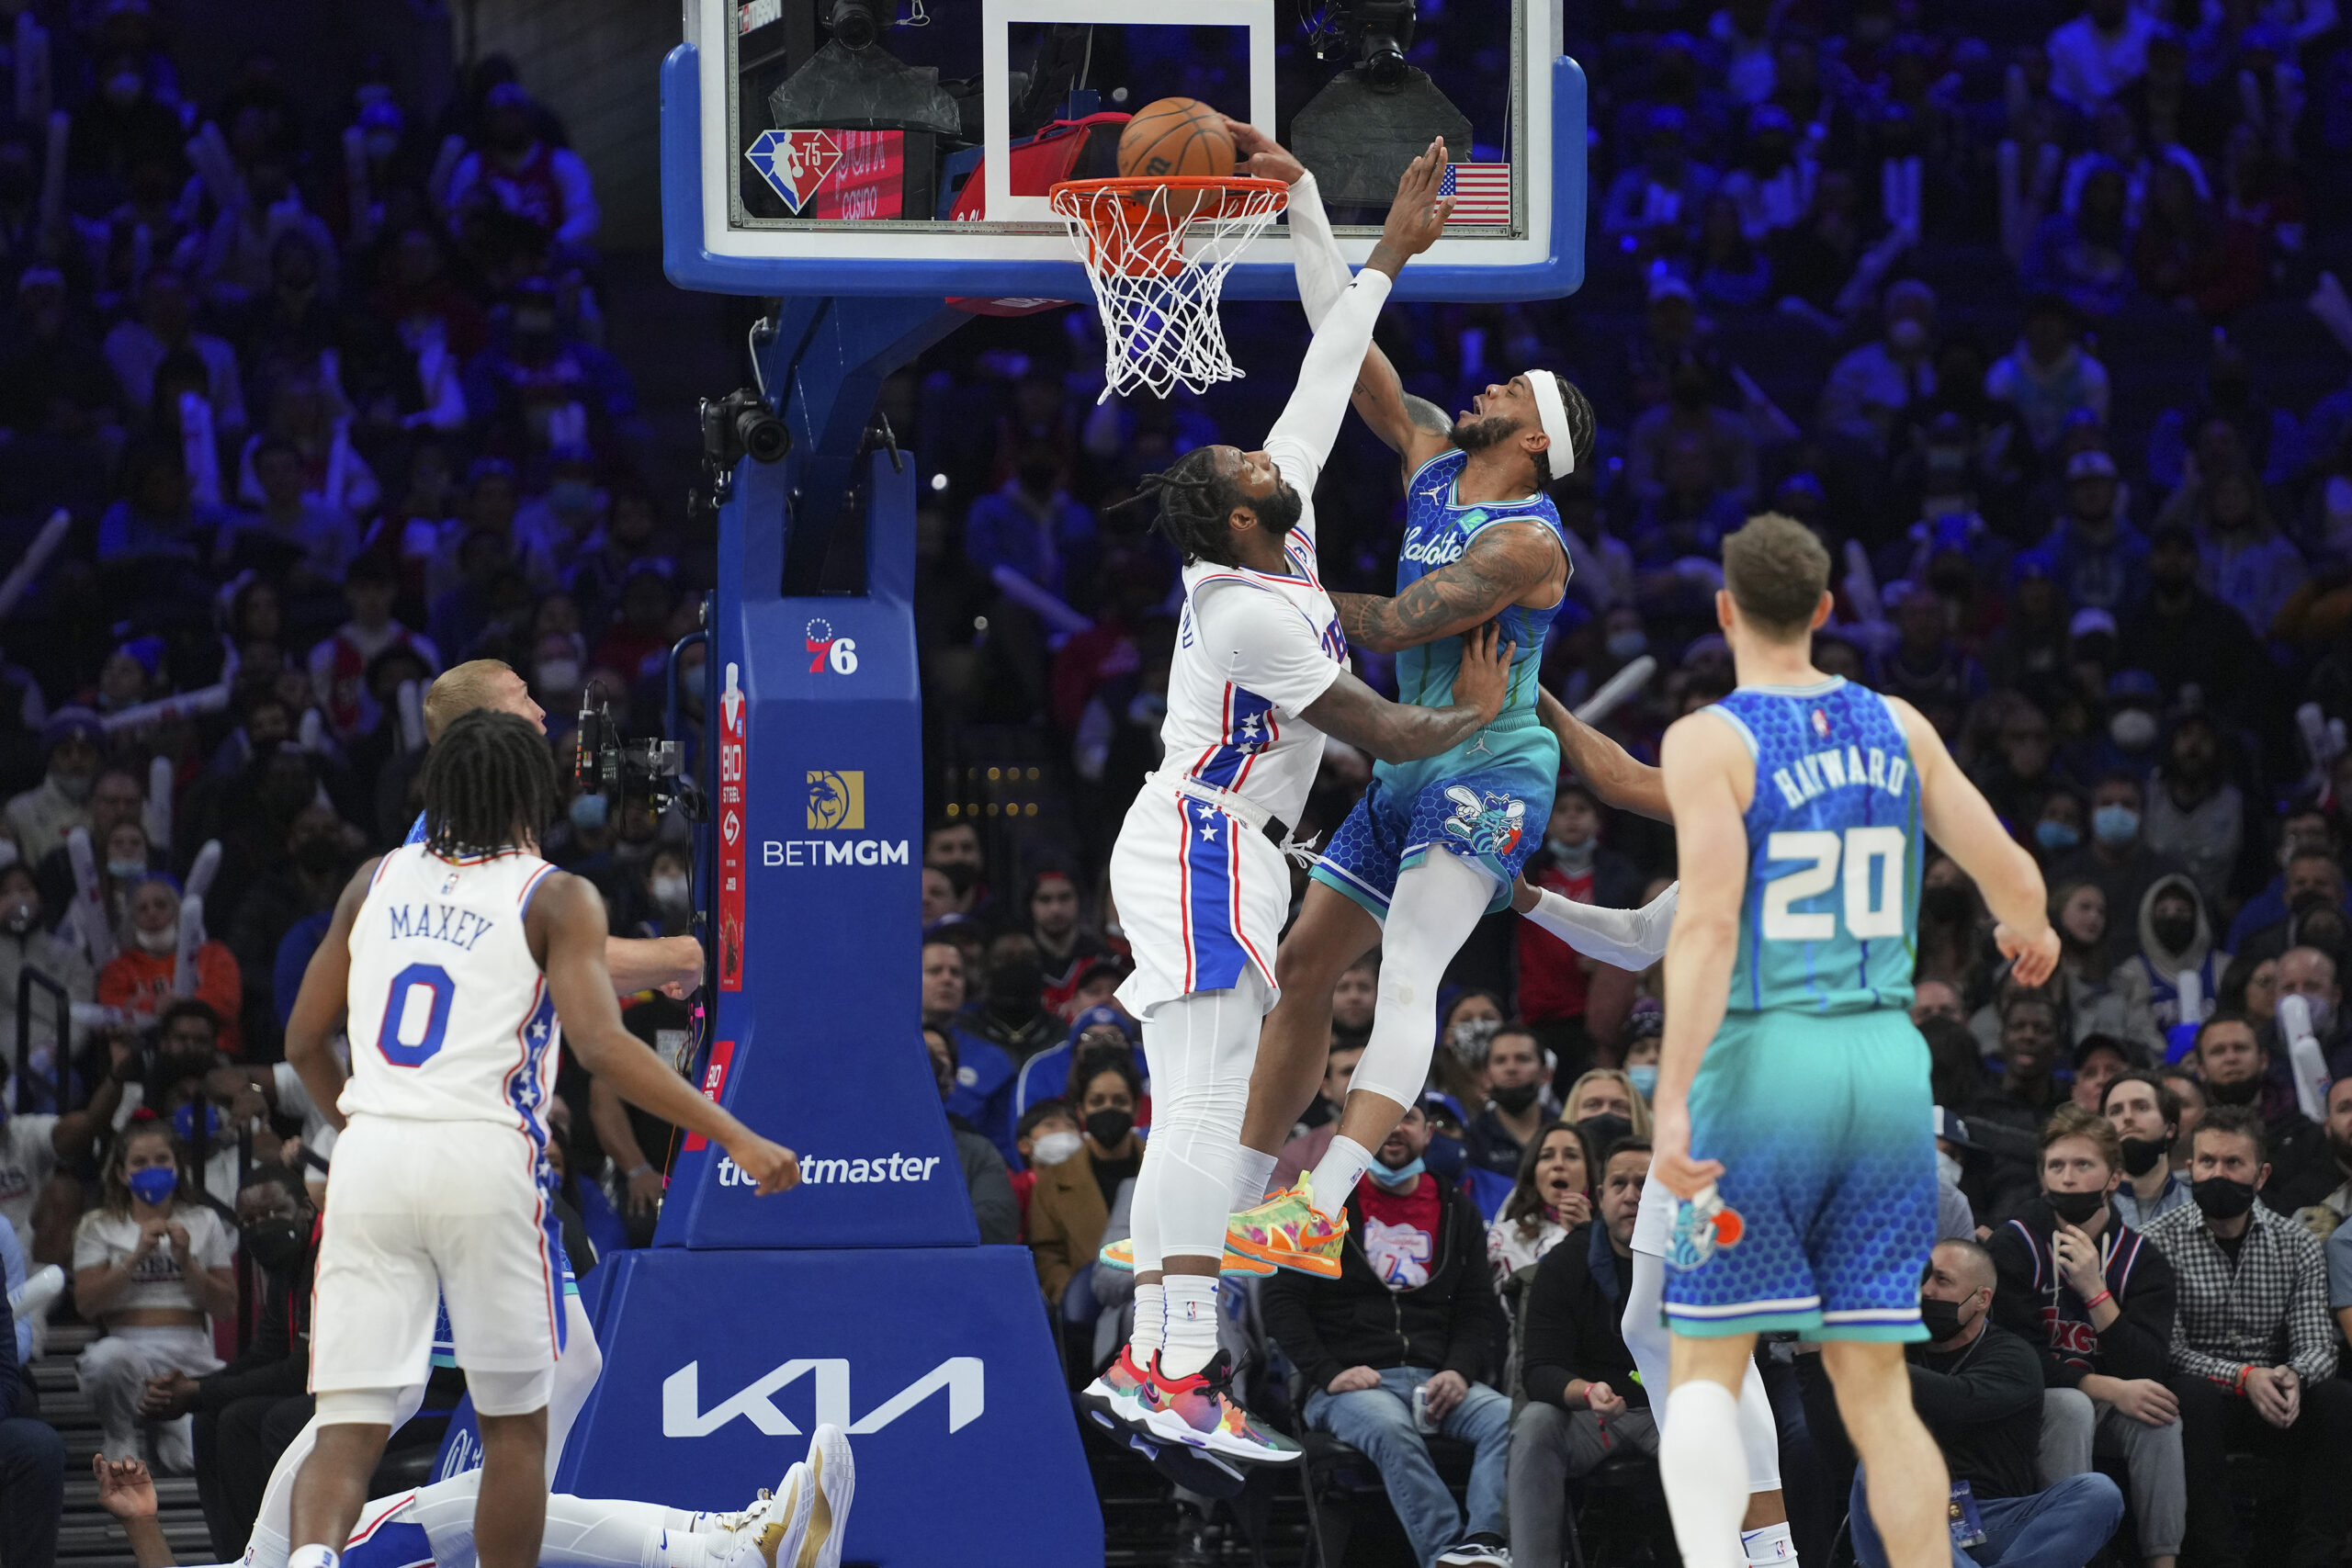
[1503,565]
[1607,767]
[1961,821]
[1402,733]
[1413,427]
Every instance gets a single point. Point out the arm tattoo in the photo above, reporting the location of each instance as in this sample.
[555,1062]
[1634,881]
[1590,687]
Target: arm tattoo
[1392,732]
[1426,415]
[1497,570]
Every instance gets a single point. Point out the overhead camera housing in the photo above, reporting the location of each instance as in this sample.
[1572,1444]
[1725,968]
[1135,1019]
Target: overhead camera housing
[855,26]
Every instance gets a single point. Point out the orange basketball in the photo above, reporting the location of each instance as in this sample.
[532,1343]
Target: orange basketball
[1175,137]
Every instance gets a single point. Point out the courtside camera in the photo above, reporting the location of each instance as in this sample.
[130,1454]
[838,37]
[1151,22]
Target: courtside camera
[853,24]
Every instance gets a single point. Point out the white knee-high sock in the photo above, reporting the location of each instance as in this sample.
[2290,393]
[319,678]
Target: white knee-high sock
[1190,1335]
[1702,1461]
[1251,1171]
[1630,939]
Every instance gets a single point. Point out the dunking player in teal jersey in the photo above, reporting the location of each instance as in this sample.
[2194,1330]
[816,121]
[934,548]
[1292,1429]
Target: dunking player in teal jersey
[1794,1116]
[1436,844]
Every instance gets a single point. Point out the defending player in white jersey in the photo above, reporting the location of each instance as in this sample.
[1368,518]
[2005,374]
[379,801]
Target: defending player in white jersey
[455,955]
[1259,677]
[801,1525]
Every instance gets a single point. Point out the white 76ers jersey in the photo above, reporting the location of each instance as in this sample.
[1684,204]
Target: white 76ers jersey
[450,1016]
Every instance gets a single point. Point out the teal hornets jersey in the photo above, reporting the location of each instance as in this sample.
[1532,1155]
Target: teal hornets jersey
[1831,918]
[1437,530]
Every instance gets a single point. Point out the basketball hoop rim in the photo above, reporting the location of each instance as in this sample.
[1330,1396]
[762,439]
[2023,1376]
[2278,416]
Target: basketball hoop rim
[1068,196]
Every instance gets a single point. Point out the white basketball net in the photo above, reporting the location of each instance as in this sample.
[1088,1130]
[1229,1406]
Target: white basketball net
[1157,293]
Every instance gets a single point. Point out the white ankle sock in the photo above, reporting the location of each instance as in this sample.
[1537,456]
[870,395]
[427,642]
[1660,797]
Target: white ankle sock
[1702,1461]
[1336,1175]
[1151,1312]
[1190,1340]
[1249,1178]
[1770,1547]
[313,1557]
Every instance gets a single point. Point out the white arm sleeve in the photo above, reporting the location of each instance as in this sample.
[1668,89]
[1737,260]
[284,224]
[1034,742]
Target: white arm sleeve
[1302,438]
[1258,640]
[1630,939]
[1314,252]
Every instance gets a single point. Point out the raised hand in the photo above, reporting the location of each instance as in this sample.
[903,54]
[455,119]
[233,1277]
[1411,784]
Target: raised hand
[1261,155]
[1416,217]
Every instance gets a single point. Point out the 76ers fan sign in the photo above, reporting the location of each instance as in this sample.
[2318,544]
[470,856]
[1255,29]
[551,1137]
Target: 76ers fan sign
[833,173]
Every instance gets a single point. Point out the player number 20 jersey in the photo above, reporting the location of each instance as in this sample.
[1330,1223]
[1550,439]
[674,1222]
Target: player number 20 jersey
[1829,920]
[450,1017]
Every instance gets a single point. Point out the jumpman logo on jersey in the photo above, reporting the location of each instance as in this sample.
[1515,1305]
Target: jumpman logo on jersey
[1436,493]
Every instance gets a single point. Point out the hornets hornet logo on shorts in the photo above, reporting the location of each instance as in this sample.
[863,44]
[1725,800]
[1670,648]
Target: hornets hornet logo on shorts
[1488,825]
[1700,1225]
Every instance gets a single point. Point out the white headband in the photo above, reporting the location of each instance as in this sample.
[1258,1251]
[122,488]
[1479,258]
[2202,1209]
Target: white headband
[1553,414]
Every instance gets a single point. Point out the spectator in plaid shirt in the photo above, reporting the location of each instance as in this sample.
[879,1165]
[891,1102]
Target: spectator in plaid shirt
[2253,1348]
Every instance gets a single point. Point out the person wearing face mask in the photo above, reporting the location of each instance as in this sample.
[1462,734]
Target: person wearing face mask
[669,892]
[1518,1102]
[1046,1135]
[318,854]
[2175,938]
[151,1266]
[247,1412]
[989,1185]
[2252,1283]
[2092,552]
[41,817]
[1070,1206]
[27,943]
[1978,1387]
[2321,1191]
[1554,984]
[1412,1312]
[116,798]
[2145,1111]
[2096,1300]
[141,979]
[1046,1075]
[339,663]
[2235,1066]
[1873,385]
[2118,857]
[1011,1010]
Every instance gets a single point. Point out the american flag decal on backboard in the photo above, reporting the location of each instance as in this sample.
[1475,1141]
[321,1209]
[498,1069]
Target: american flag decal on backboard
[1481,192]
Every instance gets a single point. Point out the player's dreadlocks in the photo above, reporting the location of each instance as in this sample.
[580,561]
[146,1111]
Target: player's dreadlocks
[1195,501]
[1582,426]
[488,784]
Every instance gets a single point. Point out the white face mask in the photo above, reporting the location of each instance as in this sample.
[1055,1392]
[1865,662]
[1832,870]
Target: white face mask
[670,890]
[1052,1149]
[1947,1168]
[164,940]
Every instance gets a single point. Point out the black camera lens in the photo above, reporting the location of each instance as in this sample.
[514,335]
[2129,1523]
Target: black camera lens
[855,27]
[765,438]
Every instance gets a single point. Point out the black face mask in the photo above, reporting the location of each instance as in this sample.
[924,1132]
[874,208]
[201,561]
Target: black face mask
[2141,1154]
[1109,1127]
[2173,932]
[1604,1130]
[2220,1198]
[1941,1319]
[2075,1208]
[1516,1098]
[1014,986]
[277,1244]
[2246,1091]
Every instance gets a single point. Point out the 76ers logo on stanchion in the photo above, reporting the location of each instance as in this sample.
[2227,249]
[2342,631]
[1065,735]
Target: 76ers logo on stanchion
[794,163]
[826,650]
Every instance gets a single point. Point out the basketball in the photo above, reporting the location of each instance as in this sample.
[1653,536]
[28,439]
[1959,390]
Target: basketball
[1174,137]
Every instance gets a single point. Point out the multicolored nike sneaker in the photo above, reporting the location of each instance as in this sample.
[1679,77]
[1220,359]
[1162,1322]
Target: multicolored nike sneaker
[1700,1225]
[1199,1410]
[1121,1255]
[1289,1232]
[1111,1397]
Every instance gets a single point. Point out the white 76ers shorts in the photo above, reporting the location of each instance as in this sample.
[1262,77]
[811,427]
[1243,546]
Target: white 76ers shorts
[420,1210]
[1201,896]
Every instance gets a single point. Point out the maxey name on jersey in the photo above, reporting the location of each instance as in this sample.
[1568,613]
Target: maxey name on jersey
[1809,776]
[437,922]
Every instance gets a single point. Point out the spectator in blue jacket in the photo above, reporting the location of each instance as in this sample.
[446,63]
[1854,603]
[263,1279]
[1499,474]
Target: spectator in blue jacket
[984,1080]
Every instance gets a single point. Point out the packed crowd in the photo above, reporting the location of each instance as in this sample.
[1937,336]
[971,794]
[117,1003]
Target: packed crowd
[2030,316]
[310,378]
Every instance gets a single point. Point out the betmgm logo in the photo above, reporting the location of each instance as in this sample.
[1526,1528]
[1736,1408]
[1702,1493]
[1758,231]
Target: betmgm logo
[836,801]
[964,1379]
[836,804]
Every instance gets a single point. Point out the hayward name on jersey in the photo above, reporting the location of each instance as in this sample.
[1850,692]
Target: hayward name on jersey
[1834,840]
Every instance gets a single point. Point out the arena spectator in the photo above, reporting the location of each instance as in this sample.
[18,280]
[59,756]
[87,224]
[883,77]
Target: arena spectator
[1072,1202]
[2252,1357]
[1516,1103]
[1046,1135]
[247,1412]
[1550,1197]
[2145,1112]
[2097,1299]
[516,172]
[32,1463]
[2234,1065]
[140,979]
[2118,859]
[39,818]
[1585,1402]
[2048,379]
[1979,1388]
[2181,633]
[2311,973]
[1313,1137]
[1874,384]
[152,1267]
[1412,1311]
[986,1180]
[984,1074]
[1046,1075]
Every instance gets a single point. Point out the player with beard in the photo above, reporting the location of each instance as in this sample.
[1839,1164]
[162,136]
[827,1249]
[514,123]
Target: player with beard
[1434,844]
